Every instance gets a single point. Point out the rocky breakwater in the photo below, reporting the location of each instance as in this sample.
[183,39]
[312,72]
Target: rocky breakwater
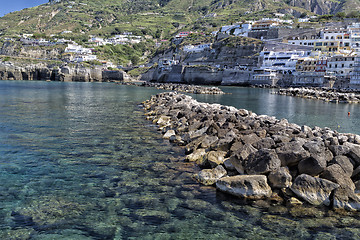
[260,157]
[328,95]
[179,87]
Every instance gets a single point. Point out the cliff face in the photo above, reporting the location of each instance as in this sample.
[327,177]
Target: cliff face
[202,75]
[211,66]
[320,7]
[224,53]
[40,52]
[9,71]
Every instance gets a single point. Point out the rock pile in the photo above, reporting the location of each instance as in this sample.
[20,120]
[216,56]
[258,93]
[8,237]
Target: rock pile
[321,94]
[258,156]
[180,87]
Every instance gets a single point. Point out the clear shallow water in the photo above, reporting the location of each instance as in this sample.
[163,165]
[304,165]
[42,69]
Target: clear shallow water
[78,161]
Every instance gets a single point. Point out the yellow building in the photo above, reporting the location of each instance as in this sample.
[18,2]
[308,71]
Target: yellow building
[327,46]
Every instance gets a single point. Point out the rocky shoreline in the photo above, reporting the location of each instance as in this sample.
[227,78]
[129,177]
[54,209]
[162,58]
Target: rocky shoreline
[195,89]
[260,157]
[327,95]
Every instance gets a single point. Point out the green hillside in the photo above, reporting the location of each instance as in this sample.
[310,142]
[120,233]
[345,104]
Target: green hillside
[157,18]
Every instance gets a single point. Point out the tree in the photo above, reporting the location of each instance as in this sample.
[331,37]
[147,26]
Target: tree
[340,15]
[134,60]
[304,14]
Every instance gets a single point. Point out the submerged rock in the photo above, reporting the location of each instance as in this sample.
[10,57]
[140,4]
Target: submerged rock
[210,176]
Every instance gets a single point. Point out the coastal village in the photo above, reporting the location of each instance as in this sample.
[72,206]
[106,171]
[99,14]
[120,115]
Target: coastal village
[292,57]
[288,53]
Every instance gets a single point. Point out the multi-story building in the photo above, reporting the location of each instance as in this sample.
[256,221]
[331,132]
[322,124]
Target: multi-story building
[196,48]
[284,62]
[355,75]
[74,48]
[321,64]
[340,65]
[327,46]
[306,64]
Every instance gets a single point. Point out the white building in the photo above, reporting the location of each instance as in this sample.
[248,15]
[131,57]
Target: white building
[74,48]
[98,41]
[123,39]
[197,48]
[355,75]
[228,28]
[284,62]
[84,58]
[302,20]
[340,65]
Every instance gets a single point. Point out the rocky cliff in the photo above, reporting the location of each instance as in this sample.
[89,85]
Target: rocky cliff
[77,73]
[216,65]
[11,48]
[322,7]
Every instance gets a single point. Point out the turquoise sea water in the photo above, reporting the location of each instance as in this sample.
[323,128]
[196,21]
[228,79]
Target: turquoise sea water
[78,161]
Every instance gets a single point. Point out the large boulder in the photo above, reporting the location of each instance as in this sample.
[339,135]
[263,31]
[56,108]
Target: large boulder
[315,191]
[215,158]
[354,151]
[169,134]
[312,165]
[345,199]
[225,143]
[291,153]
[280,178]
[245,186]
[338,150]
[261,162]
[244,151]
[197,156]
[209,141]
[163,121]
[315,146]
[250,138]
[210,176]
[345,164]
[336,174]
[264,143]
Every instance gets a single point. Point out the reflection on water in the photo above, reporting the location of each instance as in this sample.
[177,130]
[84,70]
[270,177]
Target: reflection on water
[78,161]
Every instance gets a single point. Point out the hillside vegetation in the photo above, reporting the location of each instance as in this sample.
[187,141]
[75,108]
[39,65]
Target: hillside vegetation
[156,18]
